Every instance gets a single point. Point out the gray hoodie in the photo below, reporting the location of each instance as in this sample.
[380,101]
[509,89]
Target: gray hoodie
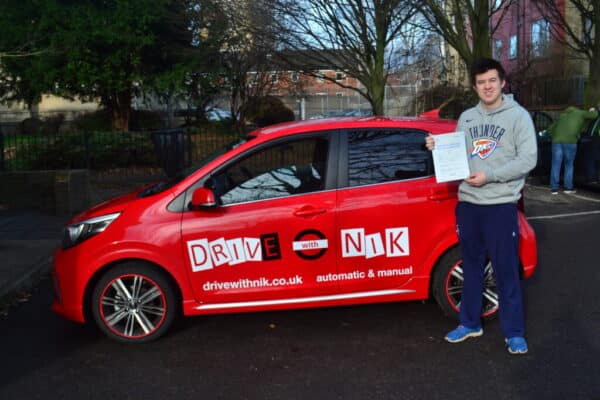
[502,144]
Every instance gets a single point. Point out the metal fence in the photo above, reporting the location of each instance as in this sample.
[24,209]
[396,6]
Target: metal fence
[544,93]
[161,152]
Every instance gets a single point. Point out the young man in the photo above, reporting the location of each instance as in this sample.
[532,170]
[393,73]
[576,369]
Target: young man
[502,149]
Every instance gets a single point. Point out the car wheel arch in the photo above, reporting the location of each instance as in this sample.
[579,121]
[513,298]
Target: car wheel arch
[92,282]
[452,256]
[442,247]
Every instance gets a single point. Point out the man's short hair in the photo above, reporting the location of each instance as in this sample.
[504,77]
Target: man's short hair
[483,65]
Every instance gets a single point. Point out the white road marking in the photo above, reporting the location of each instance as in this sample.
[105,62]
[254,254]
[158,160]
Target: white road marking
[584,198]
[564,215]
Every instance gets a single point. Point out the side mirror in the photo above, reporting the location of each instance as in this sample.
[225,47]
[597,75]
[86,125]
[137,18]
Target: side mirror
[203,198]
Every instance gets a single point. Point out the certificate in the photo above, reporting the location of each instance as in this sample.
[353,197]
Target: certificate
[450,157]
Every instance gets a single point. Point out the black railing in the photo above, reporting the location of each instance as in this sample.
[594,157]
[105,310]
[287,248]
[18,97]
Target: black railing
[127,152]
[544,93]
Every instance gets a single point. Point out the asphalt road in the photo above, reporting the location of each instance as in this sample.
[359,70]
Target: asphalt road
[384,351]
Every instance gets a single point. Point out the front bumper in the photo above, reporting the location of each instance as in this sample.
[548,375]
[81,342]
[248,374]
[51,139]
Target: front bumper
[69,288]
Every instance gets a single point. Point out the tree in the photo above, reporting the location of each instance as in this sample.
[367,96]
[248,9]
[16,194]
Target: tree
[98,49]
[250,72]
[465,24]
[26,52]
[353,36]
[188,69]
[581,34]
[109,46]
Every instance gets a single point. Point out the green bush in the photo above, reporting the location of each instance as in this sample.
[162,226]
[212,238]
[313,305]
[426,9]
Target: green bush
[140,120]
[268,110]
[51,125]
[98,150]
[451,100]
[143,120]
[30,126]
[93,121]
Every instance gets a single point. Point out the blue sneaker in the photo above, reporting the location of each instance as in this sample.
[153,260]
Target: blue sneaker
[462,333]
[516,345]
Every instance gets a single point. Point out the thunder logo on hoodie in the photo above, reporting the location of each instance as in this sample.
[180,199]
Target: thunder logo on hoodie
[485,138]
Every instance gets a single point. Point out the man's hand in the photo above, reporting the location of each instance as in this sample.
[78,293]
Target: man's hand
[429,142]
[477,179]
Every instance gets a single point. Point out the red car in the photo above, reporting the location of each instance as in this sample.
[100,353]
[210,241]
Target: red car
[303,214]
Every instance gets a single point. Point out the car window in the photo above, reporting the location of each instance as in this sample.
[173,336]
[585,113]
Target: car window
[378,156]
[292,167]
[595,128]
[541,120]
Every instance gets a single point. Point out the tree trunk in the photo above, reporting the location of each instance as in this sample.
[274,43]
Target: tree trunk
[170,110]
[377,97]
[480,23]
[34,109]
[120,106]
[378,74]
[592,91]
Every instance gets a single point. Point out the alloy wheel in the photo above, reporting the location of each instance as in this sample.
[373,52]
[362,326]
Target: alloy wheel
[454,288]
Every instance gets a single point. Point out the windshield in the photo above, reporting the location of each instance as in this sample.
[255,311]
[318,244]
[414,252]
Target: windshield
[164,185]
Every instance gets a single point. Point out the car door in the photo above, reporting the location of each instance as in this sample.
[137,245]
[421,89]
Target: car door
[272,233]
[391,211]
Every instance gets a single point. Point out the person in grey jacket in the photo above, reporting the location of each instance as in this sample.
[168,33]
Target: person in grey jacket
[502,149]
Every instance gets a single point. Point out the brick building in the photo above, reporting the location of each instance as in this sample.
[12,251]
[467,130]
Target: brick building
[541,70]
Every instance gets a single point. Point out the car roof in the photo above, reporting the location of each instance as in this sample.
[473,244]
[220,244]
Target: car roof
[433,125]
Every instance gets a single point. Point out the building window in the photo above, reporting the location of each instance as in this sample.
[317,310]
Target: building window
[339,76]
[588,32]
[497,50]
[513,47]
[252,78]
[540,37]
[294,76]
[274,77]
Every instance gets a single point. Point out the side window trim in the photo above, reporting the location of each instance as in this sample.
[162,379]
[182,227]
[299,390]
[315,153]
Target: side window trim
[342,164]
[331,136]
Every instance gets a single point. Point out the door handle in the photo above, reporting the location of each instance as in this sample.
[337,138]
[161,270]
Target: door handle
[309,211]
[439,195]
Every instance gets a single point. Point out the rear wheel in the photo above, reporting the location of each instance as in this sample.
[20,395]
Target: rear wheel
[448,281]
[134,303]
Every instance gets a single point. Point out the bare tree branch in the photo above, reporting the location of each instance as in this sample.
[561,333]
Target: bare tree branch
[19,54]
[465,24]
[353,36]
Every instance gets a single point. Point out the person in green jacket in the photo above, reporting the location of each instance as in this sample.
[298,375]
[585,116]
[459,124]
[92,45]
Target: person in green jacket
[565,134]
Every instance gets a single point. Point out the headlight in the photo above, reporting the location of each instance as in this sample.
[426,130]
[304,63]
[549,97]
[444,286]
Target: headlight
[77,233]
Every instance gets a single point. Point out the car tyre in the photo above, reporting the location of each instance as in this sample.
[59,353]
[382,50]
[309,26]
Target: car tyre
[447,286]
[134,303]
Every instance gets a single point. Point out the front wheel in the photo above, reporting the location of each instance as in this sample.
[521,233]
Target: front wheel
[133,303]
[448,281]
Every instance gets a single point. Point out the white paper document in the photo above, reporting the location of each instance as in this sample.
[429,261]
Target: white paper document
[450,157]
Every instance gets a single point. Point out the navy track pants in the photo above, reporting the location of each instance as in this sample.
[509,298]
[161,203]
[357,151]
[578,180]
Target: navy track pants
[490,232]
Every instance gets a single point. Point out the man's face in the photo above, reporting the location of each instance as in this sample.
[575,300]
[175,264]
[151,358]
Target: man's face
[489,88]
